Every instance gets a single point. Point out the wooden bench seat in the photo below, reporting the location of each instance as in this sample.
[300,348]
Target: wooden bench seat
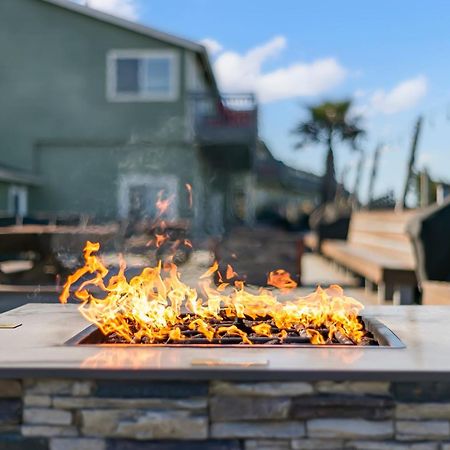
[379,250]
[435,292]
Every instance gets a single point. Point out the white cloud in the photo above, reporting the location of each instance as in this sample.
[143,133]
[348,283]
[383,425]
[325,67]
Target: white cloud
[123,8]
[404,95]
[244,72]
[212,45]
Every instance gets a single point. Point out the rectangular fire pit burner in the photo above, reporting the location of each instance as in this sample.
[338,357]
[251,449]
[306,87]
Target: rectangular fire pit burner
[156,308]
[379,336]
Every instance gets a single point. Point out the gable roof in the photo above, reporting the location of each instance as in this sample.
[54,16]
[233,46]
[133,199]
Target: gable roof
[140,29]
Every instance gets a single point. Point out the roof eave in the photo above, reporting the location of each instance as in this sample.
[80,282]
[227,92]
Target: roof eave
[127,24]
[18,177]
[207,63]
[141,29]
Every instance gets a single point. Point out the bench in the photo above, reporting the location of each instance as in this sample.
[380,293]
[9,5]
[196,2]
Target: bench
[435,292]
[429,232]
[379,250]
[328,222]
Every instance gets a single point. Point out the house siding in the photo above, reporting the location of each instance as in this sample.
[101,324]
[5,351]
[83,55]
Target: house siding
[57,121]
[94,189]
[3,199]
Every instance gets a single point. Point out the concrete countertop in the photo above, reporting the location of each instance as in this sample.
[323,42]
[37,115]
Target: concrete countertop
[36,349]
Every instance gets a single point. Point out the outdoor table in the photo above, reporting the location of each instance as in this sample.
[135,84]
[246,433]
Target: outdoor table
[46,242]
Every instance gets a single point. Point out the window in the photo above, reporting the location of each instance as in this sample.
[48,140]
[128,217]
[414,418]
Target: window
[139,75]
[138,193]
[17,200]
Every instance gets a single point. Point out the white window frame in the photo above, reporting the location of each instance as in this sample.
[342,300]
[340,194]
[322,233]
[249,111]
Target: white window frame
[111,76]
[166,182]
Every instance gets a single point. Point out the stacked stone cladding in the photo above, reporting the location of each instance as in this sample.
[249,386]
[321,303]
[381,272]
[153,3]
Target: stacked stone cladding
[63,414]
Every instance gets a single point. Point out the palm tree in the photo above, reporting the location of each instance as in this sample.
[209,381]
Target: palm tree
[328,123]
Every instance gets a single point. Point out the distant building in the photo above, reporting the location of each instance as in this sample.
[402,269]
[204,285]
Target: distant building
[100,114]
[279,186]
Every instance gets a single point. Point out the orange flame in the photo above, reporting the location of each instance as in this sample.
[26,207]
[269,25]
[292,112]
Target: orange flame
[156,307]
[92,265]
[161,230]
[189,190]
[211,270]
[160,239]
[163,205]
[230,273]
[281,280]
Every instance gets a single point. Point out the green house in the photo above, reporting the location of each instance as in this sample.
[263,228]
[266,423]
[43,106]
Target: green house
[99,116]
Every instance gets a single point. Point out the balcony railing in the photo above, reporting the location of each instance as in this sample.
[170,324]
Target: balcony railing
[228,119]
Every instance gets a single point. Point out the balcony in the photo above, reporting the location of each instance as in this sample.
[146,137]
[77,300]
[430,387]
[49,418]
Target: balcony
[230,119]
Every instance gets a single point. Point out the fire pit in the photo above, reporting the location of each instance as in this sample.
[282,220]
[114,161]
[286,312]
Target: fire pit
[378,336]
[157,308]
[230,397]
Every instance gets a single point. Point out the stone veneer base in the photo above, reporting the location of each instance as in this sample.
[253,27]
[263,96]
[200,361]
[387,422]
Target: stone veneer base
[62,414]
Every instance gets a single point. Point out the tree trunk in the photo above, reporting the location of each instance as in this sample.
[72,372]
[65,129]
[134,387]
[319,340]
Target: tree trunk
[359,171]
[373,174]
[329,178]
[412,157]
